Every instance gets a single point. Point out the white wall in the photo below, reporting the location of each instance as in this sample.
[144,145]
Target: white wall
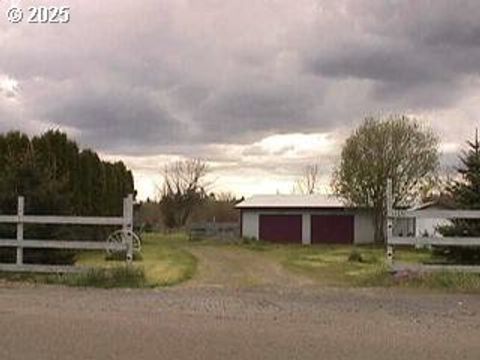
[250,224]
[429,226]
[363,228]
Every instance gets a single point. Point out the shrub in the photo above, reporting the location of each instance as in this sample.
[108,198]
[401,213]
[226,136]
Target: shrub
[459,255]
[39,256]
[253,244]
[50,256]
[247,240]
[356,256]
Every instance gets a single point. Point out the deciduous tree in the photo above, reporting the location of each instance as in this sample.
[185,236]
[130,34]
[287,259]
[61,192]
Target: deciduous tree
[184,188]
[397,148]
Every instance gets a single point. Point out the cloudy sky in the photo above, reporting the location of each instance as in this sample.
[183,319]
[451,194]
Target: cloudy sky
[259,88]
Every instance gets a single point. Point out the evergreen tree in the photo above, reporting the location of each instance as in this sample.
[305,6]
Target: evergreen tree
[465,193]
[57,179]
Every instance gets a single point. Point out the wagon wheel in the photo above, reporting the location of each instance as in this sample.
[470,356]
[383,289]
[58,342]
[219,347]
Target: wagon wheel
[120,237]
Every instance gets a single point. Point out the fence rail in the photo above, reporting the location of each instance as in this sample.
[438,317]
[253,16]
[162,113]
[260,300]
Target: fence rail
[435,241]
[20,243]
[214,229]
[392,241]
[436,214]
[62,220]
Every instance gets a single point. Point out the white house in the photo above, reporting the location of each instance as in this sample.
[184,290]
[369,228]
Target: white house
[429,226]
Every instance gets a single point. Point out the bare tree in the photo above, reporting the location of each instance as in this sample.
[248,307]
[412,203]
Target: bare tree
[227,197]
[184,176]
[184,188]
[307,183]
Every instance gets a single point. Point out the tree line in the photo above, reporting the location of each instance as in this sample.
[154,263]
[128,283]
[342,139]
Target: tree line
[56,177]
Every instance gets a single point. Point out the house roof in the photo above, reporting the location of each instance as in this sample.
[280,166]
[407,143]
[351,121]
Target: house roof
[438,202]
[424,206]
[292,201]
[433,204]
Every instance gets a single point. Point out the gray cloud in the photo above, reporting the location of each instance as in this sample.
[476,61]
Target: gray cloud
[186,74]
[111,117]
[418,53]
[246,114]
[176,77]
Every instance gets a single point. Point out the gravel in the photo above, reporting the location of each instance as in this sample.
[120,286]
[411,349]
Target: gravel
[265,322]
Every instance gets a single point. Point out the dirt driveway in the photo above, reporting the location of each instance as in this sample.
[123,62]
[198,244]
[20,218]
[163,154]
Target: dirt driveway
[236,267]
[248,323]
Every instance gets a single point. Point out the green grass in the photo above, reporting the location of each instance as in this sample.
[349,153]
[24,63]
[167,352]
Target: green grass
[452,281]
[332,265]
[442,281]
[107,278]
[335,266]
[119,276]
[164,260]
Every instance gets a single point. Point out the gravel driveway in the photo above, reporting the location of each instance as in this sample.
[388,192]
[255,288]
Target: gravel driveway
[249,323]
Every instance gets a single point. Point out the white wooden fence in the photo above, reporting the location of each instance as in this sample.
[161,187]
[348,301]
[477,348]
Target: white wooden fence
[20,219]
[417,241]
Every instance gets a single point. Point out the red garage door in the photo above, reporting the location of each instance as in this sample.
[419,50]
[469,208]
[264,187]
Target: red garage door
[332,229]
[281,228]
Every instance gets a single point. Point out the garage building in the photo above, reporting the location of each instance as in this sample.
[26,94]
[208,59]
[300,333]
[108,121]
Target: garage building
[305,219]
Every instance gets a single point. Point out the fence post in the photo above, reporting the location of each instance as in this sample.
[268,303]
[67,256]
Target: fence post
[20,214]
[389,200]
[128,225]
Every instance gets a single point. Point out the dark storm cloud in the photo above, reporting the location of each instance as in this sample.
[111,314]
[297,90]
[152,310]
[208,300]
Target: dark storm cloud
[167,76]
[112,117]
[136,79]
[418,50]
[246,114]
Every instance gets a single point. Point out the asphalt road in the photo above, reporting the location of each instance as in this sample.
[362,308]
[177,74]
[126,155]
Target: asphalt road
[216,323]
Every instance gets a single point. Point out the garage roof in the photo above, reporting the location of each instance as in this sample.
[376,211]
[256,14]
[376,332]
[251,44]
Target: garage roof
[292,201]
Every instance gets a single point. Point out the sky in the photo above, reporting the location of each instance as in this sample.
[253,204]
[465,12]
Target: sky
[258,88]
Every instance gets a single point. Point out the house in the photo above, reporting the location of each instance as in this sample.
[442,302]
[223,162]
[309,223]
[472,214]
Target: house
[305,219]
[423,226]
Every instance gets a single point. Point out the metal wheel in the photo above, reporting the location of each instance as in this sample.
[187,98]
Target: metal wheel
[120,237]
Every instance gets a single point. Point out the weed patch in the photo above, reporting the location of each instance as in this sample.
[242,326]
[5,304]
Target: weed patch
[107,278]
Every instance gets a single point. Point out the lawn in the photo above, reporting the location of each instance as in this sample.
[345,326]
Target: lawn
[332,265]
[164,260]
[168,260]
[363,266]
[346,265]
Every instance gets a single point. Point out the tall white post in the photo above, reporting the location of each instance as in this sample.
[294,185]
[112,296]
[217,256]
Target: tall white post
[306,229]
[20,213]
[389,200]
[128,225]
